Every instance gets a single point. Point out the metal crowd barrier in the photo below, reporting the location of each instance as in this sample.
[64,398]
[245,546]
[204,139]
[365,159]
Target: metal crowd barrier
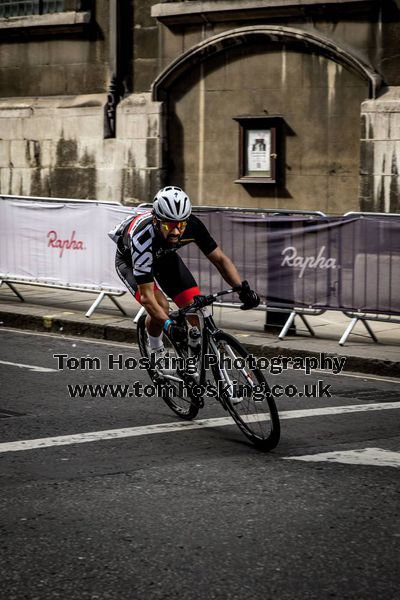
[101,295]
[239,252]
[364,317]
[11,282]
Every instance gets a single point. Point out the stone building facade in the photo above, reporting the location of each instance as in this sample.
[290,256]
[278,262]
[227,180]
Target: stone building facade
[112,99]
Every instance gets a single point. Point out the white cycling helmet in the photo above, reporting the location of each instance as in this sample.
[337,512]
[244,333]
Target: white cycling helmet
[172,204]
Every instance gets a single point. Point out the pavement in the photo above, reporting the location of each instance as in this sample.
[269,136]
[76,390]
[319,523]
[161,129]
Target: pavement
[63,312]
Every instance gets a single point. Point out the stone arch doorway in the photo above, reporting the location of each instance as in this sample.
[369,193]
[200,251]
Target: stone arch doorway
[315,85]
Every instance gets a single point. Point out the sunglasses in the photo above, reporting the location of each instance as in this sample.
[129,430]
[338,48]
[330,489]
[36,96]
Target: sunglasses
[168,226]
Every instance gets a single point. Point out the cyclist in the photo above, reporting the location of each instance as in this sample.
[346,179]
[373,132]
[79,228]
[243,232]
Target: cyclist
[148,263]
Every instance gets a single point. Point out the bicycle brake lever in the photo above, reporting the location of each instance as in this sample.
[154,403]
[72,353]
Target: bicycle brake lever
[199,301]
[204,301]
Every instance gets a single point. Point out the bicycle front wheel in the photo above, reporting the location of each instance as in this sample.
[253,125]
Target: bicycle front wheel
[175,394]
[245,393]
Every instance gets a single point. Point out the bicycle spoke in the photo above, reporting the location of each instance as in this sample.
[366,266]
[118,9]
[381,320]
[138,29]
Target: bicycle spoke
[174,389]
[247,394]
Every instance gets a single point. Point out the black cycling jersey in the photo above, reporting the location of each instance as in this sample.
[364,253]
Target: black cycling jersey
[148,248]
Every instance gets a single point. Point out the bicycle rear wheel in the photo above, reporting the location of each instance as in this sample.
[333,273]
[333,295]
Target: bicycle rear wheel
[174,394]
[245,393]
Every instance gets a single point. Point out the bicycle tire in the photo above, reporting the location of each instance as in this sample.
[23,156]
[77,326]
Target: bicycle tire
[183,406]
[249,414]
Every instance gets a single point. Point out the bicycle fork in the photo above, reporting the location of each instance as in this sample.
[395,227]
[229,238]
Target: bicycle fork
[231,391]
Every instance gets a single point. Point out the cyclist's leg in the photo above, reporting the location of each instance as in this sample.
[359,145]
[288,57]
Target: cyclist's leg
[153,327]
[181,286]
[123,265]
[177,282]
[175,279]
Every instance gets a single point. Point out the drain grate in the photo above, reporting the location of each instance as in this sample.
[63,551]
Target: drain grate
[6,414]
[370,394]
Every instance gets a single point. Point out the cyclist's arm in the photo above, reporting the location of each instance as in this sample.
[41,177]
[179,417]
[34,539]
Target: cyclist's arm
[148,300]
[225,266]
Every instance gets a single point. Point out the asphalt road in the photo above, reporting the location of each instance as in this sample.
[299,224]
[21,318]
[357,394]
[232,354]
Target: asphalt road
[191,513]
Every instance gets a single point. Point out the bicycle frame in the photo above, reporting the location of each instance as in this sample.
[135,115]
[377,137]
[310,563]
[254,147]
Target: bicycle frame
[209,346]
[208,329]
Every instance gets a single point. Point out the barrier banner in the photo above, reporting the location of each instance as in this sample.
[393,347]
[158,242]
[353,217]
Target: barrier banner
[59,243]
[347,263]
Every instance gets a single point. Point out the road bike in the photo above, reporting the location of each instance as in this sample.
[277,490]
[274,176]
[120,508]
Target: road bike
[220,367]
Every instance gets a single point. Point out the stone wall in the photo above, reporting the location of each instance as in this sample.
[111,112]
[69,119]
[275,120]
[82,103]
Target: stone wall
[380,156]
[146,59]
[56,147]
[51,61]
[320,103]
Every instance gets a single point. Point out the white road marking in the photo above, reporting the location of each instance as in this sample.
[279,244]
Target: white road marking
[30,367]
[136,347]
[361,376]
[336,410]
[111,434]
[70,338]
[376,457]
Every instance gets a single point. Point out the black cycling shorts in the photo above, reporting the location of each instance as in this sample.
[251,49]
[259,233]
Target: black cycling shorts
[170,272]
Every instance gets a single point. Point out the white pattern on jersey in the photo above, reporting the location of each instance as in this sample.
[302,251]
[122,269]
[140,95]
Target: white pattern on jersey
[142,255]
[147,248]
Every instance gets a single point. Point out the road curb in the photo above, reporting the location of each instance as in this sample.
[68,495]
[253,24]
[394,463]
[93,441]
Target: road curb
[354,364]
[67,326]
[44,321]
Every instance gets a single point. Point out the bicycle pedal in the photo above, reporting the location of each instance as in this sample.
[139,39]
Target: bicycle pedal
[236,401]
[158,377]
[199,402]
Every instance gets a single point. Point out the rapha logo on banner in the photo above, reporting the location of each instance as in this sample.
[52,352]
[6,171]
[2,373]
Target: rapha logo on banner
[63,244]
[292,259]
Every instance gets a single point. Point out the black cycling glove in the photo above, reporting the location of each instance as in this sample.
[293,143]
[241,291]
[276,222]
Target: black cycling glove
[249,297]
[175,332]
